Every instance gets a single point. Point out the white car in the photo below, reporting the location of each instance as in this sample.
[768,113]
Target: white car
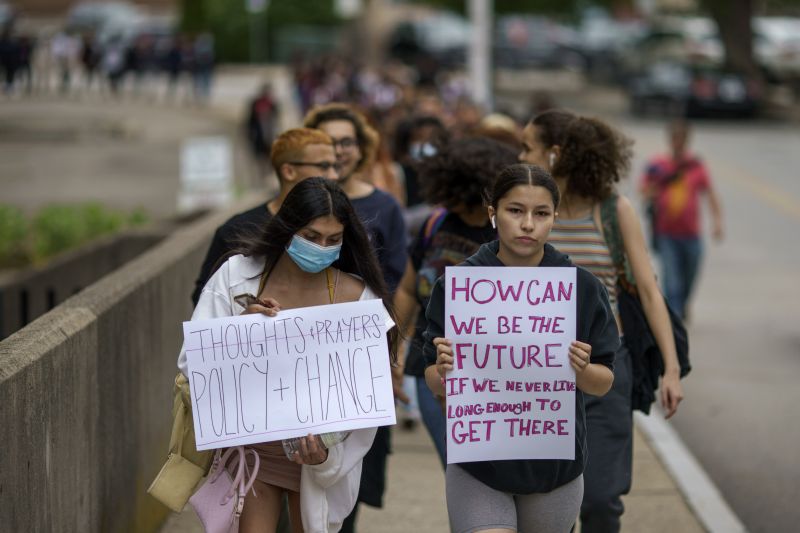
[777,46]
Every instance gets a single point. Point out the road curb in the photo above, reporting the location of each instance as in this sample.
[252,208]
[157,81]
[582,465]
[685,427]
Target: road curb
[700,493]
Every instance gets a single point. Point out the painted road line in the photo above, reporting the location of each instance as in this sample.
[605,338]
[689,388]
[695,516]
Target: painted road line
[778,198]
[700,492]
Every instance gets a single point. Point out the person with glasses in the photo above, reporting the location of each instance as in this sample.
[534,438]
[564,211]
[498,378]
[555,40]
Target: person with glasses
[356,144]
[296,155]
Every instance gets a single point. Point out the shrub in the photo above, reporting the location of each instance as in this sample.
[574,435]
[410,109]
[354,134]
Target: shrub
[13,230]
[138,217]
[57,228]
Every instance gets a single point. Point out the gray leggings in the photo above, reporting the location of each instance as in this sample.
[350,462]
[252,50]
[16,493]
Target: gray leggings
[473,506]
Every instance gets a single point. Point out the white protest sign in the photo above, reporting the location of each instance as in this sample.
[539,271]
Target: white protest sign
[206,173]
[511,394]
[316,370]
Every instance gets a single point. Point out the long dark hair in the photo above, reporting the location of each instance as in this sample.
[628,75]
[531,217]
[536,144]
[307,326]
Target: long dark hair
[522,174]
[310,199]
[594,156]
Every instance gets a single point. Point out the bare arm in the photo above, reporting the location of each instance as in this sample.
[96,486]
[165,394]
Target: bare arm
[434,381]
[405,301]
[591,378]
[717,227]
[405,306]
[655,309]
[436,374]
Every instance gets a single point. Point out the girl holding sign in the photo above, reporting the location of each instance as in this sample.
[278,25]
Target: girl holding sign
[313,252]
[587,157]
[526,495]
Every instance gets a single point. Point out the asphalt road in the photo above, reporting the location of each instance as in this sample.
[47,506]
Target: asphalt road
[740,416]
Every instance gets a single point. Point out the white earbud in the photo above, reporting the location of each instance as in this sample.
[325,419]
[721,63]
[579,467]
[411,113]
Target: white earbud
[552,159]
[494,221]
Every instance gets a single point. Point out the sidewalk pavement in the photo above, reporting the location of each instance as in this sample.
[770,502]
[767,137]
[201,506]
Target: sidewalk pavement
[415,496]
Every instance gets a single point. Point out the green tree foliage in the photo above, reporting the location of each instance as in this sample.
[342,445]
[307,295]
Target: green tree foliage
[230,23]
[193,16]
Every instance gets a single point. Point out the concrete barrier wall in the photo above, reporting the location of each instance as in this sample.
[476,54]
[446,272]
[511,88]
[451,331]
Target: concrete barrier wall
[86,393]
[28,294]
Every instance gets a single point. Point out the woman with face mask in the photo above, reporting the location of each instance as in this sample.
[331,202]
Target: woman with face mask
[543,495]
[313,252]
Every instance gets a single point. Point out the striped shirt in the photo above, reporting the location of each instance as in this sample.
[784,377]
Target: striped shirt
[583,242]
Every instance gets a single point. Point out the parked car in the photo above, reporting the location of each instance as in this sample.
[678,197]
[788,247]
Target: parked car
[536,42]
[777,47]
[518,42]
[689,40]
[676,88]
[603,42]
[443,37]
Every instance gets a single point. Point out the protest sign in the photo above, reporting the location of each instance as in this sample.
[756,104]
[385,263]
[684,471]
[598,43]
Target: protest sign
[315,370]
[511,394]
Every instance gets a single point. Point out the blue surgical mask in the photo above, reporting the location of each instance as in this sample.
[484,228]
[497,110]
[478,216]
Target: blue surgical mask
[312,257]
[419,151]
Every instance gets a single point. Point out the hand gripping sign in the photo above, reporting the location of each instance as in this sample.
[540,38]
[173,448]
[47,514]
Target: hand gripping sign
[511,394]
[320,369]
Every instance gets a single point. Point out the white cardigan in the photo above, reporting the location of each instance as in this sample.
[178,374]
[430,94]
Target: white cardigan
[328,491]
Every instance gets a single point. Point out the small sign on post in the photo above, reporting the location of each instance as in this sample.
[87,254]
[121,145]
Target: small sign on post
[257,6]
[511,394]
[206,173]
[315,370]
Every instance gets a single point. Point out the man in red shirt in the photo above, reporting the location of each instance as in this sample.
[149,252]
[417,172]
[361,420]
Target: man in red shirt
[673,185]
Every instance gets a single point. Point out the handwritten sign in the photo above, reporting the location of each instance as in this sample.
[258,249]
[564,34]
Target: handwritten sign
[511,394]
[313,370]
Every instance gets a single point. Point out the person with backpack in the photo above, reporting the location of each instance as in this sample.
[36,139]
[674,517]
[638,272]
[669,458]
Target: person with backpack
[673,186]
[454,178]
[587,158]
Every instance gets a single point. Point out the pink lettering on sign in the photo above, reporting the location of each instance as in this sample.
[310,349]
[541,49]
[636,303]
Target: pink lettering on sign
[484,291]
[475,325]
[523,427]
[509,324]
[509,291]
[510,329]
[494,355]
[543,324]
[472,431]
